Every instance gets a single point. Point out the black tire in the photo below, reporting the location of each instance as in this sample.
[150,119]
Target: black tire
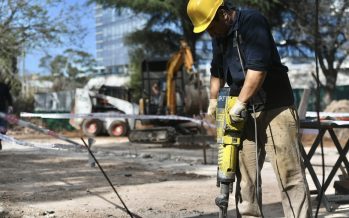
[92,127]
[117,128]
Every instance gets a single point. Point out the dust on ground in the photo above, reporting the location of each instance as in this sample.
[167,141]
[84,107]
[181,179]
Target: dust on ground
[153,181]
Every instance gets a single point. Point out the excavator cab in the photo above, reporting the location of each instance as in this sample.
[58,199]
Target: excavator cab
[154,87]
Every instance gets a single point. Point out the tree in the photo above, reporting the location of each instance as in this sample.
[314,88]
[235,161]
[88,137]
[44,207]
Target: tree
[26,24]
[167,23]
[69,69]
[272,9]
[135,68]
[298,32]
[8,62]
[80,62]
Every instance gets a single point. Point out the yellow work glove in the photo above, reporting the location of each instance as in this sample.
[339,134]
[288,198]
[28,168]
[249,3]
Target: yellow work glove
[211,110]
[238,112]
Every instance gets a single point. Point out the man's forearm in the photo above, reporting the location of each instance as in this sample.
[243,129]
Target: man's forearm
[253,82]
[215,84]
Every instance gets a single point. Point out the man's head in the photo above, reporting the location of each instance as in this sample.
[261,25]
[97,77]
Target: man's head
[210,15]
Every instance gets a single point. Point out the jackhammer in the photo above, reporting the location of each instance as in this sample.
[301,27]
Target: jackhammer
[228,140]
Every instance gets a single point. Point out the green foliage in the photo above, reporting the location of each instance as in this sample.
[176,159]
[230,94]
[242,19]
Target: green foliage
[136,58]
[58,124]
[26,24]
[70,63]
[23,103]
[66,69]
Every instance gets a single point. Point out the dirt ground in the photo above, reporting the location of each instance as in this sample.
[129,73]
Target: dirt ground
[152,180]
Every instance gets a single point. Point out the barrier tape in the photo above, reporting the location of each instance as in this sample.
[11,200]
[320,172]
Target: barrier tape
[9,139]
[12,119]
[117,115]
[327,114]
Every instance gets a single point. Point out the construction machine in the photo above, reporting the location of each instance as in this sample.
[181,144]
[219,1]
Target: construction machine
[105,99]
[170,87]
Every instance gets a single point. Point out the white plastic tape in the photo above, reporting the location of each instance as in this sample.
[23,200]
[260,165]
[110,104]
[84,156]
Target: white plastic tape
[116,115]
[9,139]
[326,114]
[15,121]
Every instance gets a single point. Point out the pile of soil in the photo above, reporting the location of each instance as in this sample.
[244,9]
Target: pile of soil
[341,106]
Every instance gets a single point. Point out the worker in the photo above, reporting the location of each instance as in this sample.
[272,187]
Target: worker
[155,93]
[246,59]
[5,106]
[162,94]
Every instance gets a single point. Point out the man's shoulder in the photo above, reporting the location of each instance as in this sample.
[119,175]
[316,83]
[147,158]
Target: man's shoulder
[250,18]
[250,14]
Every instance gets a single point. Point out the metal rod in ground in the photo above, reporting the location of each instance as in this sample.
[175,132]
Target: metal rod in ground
[91,161]
[107,178]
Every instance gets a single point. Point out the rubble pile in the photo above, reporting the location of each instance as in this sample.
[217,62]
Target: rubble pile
[341,106]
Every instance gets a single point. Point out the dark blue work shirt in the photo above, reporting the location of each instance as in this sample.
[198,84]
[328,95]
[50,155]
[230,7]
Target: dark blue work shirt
[258,51]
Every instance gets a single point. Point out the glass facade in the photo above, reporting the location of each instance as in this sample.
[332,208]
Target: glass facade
[112,26]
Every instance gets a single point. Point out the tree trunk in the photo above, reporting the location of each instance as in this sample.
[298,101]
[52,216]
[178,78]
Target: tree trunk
[330,87]
[327,98]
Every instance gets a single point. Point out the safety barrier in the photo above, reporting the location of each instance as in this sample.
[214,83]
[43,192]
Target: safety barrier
[10,139]
[12,119]
[117,115]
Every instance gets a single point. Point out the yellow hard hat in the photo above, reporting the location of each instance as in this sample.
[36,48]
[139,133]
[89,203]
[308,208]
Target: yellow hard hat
[202,12]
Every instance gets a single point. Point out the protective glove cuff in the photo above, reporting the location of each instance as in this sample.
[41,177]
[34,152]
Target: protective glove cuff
[213,102]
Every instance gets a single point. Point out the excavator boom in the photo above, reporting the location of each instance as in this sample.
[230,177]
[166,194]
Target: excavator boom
[183,56]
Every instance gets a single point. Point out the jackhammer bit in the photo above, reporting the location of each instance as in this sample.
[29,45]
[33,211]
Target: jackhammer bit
[228,140]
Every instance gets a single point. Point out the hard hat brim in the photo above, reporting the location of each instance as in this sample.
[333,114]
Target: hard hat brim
[203,27]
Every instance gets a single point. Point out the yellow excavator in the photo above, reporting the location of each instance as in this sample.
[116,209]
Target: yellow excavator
[183,57]
[170,87]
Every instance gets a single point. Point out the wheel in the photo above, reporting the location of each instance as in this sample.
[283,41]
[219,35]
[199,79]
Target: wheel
[117,128]
[92,127]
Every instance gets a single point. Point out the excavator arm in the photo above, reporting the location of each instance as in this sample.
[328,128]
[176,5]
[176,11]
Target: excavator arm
[183,56]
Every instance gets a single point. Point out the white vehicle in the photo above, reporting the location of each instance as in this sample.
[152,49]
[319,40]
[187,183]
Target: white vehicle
[87,101]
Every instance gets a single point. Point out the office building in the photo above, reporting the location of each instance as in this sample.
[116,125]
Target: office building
[112,26]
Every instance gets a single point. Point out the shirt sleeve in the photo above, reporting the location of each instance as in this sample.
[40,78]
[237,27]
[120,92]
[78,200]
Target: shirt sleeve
[258,41]
[216,63]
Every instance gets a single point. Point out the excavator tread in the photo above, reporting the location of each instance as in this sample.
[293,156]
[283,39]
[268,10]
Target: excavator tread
[153,135]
